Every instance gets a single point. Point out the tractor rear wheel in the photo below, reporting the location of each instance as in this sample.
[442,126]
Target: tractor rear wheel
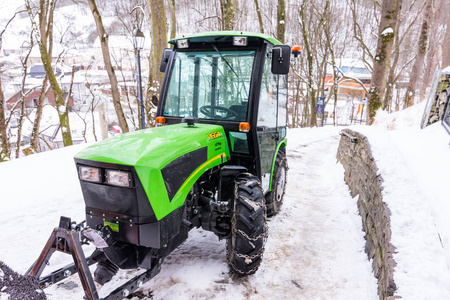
[274,198]
[245,247]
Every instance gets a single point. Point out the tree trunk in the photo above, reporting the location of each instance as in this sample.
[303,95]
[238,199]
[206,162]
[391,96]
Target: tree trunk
[281,20]
[4,153]
[228,14]
[46,32]
[446,42]
[38,117]
[389,14]
[258,13]
[108,65]
[310,67]
[22,114]
[391,73]
[421,52]
[173,21]
[61,106]
[159,42]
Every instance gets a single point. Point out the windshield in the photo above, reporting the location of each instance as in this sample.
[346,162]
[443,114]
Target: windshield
[210,85]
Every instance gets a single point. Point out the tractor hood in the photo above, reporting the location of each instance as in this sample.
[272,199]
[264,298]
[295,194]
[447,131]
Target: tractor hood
[155,147]
[168,160]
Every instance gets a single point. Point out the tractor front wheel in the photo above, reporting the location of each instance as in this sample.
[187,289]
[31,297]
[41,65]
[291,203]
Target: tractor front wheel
[245,247]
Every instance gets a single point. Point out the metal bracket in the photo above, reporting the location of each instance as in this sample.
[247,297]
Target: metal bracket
[66,241]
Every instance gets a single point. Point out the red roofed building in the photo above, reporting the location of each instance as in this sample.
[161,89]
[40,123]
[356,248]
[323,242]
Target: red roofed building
[32,99]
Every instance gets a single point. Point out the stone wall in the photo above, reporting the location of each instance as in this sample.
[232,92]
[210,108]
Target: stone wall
[361,176]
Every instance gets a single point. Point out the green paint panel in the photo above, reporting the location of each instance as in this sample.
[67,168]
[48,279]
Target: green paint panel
[151,149]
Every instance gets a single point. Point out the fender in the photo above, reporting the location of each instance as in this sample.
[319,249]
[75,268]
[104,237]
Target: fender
[282,143]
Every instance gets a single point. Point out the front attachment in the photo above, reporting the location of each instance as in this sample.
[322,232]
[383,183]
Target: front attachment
[68,238]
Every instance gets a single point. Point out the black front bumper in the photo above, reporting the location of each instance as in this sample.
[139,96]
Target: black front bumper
[127,211]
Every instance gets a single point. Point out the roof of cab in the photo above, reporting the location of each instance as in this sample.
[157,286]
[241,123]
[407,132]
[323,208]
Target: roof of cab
[210,34]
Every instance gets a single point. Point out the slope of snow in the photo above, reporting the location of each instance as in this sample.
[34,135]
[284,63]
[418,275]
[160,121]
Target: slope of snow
[419,216]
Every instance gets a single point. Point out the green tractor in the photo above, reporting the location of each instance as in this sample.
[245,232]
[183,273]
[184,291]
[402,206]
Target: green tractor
[216,158]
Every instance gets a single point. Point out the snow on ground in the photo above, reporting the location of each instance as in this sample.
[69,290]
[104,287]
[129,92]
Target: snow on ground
[315,248]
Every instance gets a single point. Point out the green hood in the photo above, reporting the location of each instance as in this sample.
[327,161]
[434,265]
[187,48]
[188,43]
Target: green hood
[163,155]
[154,146]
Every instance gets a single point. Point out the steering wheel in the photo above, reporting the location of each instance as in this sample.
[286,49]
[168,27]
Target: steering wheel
[210,111]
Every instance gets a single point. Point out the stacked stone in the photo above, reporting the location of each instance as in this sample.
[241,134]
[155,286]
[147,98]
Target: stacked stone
[361,176]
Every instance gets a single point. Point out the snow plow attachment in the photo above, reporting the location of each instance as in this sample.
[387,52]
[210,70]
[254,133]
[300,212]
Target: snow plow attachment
[68,238]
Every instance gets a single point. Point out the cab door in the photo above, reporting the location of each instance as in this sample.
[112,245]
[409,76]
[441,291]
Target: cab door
[271,122]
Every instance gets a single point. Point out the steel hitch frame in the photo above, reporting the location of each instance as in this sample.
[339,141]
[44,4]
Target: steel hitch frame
[68,238]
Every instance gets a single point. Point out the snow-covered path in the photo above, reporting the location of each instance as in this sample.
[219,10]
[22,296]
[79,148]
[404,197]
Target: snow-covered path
[323,237]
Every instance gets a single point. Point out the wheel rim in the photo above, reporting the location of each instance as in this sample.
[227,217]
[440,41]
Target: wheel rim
[281,183]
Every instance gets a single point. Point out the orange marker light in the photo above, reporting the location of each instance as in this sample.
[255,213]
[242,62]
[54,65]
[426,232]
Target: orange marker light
[296,50]
[160,121]
[244,127]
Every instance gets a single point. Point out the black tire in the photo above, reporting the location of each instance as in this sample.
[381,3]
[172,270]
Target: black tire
[245,247]
[274,198]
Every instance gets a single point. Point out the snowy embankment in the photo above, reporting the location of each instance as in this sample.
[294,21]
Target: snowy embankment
[414,165]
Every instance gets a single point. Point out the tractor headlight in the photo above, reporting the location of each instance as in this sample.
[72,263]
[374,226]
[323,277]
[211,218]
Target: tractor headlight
[90,174]
[118,178]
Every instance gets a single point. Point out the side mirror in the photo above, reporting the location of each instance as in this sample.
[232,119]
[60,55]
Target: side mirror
[281,57]
[165,59]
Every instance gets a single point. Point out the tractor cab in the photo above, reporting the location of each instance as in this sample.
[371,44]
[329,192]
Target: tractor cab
[236,80]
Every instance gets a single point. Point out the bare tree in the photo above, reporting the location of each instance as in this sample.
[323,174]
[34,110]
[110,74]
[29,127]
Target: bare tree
[4,143]
[159,41]
[61,106]
[336,49]
[4,153]
[45,13]
[359,28]
[258,13]
[227,8]
[23,93]
[436,38]
[281,20]
[173,20]
[389,14]
[309,59]
[446,43]
[421,52]
[400,60]
[312,18]
[103,37]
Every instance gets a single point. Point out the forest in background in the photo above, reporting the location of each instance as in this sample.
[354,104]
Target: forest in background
[402,42]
